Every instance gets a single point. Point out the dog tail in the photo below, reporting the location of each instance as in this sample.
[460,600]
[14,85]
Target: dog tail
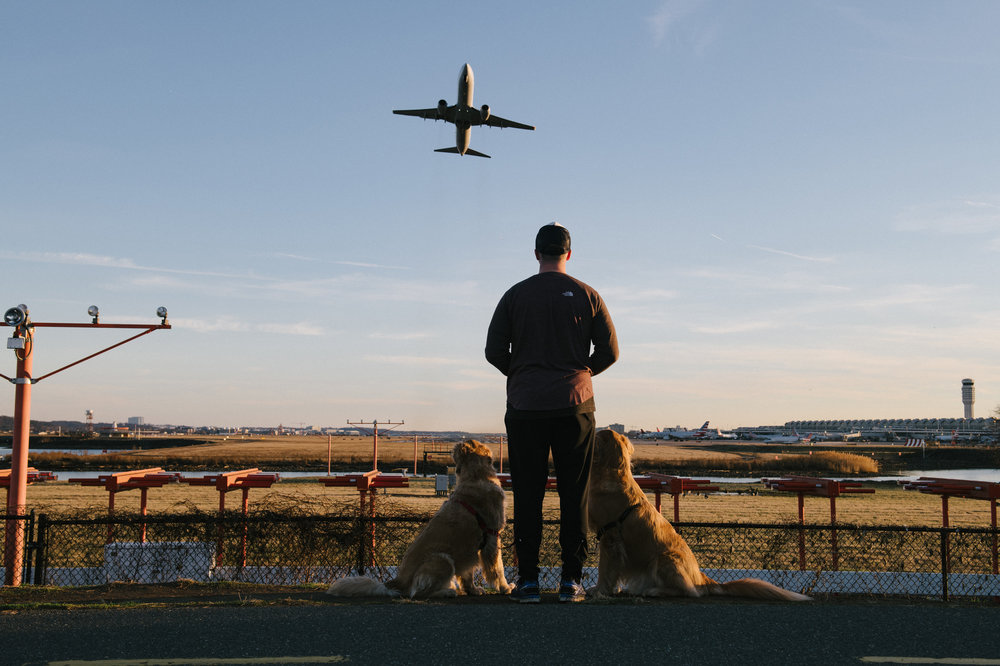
[359,586]
[753,588]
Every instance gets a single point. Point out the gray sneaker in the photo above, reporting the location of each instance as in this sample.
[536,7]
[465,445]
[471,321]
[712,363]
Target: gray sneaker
[526,592]
[572,591]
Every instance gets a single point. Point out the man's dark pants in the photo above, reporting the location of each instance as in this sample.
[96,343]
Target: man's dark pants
[571,440]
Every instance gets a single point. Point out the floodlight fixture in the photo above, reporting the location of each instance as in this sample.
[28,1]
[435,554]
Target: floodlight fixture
[16,316]
[95,313]
[161,312]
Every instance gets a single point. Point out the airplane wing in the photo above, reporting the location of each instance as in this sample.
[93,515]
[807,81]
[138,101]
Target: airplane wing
[497,121]
[426,114]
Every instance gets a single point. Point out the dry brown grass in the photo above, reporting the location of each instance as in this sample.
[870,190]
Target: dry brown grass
[889,505]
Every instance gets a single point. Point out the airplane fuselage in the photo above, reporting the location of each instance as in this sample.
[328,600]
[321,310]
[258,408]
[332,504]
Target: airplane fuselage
[464,110]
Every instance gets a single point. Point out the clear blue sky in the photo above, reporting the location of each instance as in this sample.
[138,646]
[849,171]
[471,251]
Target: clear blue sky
[792,209]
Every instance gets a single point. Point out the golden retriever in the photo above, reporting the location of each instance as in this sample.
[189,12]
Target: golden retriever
[640,552]
[463,536]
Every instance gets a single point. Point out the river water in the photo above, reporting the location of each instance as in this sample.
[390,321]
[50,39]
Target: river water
[985,475]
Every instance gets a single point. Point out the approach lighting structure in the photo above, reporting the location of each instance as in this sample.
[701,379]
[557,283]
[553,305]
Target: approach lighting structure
[22,343]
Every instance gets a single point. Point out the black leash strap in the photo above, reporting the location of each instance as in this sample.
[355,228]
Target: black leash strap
[616,523]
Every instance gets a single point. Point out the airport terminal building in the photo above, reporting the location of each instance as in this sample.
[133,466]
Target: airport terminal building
[945,430]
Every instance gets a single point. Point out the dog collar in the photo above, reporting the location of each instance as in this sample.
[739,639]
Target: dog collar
[618,522]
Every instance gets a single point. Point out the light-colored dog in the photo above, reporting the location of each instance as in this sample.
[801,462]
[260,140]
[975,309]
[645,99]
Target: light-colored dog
[640,552]
[463,536]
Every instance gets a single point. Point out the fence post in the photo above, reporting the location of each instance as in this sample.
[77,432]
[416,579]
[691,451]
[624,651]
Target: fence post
[29,546]
[944,563]
[361,529]
[41,550]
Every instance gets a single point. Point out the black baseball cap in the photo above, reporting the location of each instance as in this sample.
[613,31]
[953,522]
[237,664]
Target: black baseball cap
[552,240]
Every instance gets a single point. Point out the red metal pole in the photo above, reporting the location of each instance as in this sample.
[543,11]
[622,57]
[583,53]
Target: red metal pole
[142,510]
[111,513]
[243,540]
[17,493]
[993,522]
[677,507]
[222,511]
[371,506]
[833,531]
[802,534]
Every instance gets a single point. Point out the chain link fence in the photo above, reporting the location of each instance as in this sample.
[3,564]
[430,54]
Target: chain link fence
[283,548]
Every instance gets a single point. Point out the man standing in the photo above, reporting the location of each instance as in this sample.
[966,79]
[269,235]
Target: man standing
[540,337]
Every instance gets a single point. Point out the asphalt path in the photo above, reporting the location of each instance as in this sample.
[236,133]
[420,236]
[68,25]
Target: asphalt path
[456,632]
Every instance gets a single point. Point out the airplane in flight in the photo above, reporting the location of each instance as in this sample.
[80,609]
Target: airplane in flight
[464,115]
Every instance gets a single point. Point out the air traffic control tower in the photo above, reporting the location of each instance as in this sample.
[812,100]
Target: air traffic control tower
[968,397]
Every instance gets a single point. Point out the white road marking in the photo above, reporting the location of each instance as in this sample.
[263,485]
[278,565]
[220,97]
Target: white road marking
[929,660]
[204,661]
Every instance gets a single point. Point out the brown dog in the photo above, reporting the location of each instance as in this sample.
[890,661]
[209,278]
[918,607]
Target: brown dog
[463,536]
[640,552]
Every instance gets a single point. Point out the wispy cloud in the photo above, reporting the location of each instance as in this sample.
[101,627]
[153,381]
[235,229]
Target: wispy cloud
[803,257]
[668,15]
[951,218]
[232,325]
[780,282]
[83,259]
[402,336]
[415,360]
[727,328]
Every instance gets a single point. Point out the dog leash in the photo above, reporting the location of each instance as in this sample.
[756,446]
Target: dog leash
[487,530]
[618,522]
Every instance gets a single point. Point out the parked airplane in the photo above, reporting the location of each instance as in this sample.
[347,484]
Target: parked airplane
[700,433]
[464,115]
[835,436]
[794,438]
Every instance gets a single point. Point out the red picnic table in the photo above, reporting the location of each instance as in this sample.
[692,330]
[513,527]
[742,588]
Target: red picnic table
[226,482]
[116,482]
[34,476]
[365,482]
[807,485]
[946,488]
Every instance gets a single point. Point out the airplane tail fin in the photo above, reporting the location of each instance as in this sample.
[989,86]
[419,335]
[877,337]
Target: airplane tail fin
[468,151]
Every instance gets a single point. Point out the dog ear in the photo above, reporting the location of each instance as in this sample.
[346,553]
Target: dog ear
[460,451]
[607,451]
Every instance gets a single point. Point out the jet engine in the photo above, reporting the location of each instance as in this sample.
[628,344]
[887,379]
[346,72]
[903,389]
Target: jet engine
[485,112]
[442,108]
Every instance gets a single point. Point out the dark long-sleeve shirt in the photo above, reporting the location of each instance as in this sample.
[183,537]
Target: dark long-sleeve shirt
[541,336]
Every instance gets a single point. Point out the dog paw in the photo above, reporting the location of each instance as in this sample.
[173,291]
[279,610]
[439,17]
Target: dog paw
[473,590]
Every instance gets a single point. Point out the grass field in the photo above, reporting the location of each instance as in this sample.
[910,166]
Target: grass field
[890,505]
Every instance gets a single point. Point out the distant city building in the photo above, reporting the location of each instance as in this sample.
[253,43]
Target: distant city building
[617,427]
[136,420]
[968,397]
